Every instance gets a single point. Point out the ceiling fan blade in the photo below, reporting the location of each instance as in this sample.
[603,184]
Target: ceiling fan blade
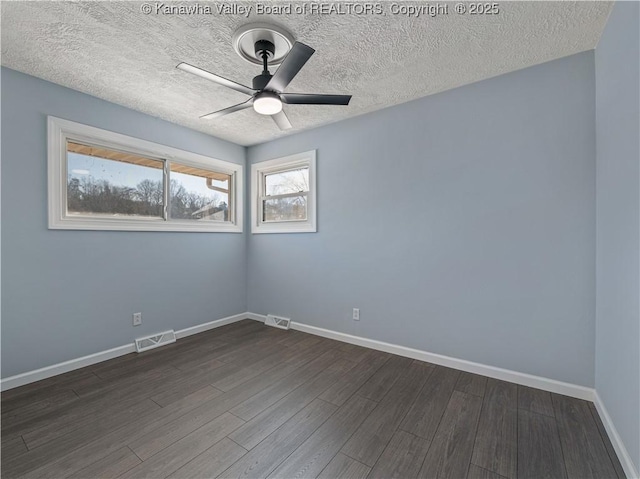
[313,99]
[290,66]
[215,78]
[226,111]
[281,120]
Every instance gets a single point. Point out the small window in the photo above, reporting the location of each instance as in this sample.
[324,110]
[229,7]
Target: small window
[283,195]
[107,181]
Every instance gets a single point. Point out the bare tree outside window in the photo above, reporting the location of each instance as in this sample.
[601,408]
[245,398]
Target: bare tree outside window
[198,194]
[100,186]
[109,183]
[285,182]
[286,195]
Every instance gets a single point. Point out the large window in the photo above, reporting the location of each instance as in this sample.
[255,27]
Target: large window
[283,195]
[104,180]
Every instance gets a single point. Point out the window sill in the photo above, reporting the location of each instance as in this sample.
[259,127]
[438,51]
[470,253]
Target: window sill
[137,225]
[284,228]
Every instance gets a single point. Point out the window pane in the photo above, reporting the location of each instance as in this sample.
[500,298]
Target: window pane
[198,194]
[291,208]
[286,182]
[107,182]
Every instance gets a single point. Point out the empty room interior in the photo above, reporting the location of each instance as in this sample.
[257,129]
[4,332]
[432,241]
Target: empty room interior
[320,239]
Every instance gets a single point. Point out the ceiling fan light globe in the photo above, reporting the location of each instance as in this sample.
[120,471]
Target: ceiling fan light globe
[267,103]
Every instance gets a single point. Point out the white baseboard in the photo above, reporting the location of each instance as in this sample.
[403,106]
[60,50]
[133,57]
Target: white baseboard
[257,317]
[524,379]
[65,367]
[183,333]
[616,441]
[73,364]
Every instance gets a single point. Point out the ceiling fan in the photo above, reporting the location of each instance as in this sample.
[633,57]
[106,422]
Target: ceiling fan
[267,94]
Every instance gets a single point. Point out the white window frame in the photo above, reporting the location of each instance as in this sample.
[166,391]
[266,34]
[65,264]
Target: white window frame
[59,131]
[263,168]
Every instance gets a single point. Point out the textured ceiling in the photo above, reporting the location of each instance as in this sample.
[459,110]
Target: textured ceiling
[113,51]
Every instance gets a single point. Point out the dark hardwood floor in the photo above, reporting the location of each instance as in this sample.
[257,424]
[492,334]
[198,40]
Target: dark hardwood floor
[246,400]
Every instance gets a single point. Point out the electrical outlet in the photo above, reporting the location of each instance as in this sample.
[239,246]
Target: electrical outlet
[137,319]
[356,314]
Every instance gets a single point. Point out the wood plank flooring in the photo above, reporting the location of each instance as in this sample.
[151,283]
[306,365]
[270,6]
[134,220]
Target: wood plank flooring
[250,401]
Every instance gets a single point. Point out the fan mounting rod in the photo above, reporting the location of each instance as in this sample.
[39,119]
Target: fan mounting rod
[264,50]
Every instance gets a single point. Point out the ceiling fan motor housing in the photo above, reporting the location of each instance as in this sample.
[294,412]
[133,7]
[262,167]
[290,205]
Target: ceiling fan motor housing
[260,81]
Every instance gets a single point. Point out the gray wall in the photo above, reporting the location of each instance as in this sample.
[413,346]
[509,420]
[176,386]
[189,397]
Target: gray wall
[618,230]
[462,224]
[66,294]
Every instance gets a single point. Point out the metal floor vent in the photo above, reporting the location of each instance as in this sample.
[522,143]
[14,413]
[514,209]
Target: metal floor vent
[277,321]
[155,341]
